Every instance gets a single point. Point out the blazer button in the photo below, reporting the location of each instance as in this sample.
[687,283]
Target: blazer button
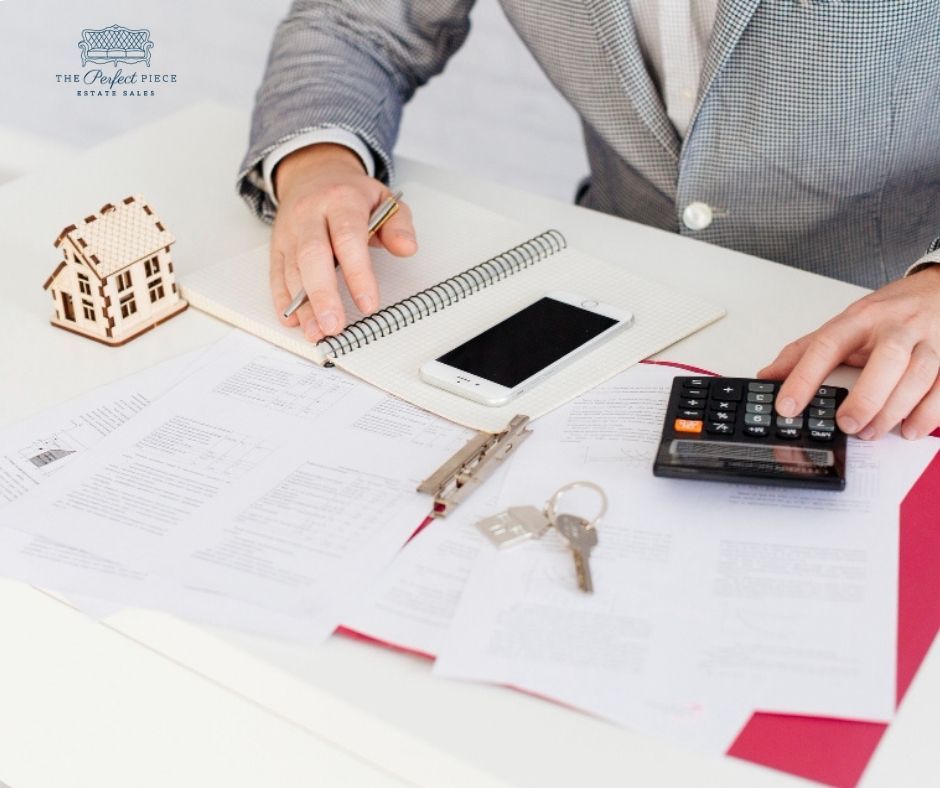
[697,215]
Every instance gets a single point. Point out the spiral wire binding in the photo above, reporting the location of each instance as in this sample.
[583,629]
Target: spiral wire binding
[409,310]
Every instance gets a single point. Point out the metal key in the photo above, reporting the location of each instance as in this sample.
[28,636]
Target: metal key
[533,519]
[514,525]
[581,538]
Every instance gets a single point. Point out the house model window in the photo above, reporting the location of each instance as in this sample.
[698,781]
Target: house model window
[116,265]
[128,306]
[156,290]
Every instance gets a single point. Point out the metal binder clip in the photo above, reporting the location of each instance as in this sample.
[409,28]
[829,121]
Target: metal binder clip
[469,467]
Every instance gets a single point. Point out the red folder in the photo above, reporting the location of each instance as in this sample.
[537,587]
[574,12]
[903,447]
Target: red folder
[836,752]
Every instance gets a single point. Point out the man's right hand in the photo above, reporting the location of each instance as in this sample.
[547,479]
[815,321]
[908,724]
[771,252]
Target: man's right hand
[324,202]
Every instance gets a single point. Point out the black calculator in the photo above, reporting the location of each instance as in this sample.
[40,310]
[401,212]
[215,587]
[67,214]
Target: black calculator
[727,429]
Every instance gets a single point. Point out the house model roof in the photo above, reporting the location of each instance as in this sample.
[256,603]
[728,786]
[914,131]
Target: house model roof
[118,235]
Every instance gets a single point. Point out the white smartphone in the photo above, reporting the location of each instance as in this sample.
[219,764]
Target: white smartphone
[512,356]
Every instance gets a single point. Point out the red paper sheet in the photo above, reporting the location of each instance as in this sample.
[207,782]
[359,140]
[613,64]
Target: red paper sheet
[836,752]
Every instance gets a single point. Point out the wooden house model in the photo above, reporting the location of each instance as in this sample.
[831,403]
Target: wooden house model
[115,279]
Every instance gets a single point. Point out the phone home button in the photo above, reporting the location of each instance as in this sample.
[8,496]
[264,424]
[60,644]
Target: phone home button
[589,304]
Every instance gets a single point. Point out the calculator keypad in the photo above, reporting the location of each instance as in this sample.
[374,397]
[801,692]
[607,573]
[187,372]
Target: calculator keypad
[729,427]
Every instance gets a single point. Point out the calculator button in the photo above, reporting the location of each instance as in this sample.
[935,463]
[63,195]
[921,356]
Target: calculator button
[820,435]
[762,419]
[826,391]
[724,405]
[721,415]
[695,383]
[790,421]
[720,428]
[761,388]
[827,425]
[687,425]
[756,430]
[690,414]
[756,396]
[823,402]
[758,407]
[694,392]
[822,413]
[728,391]
[788,433]
[693,404]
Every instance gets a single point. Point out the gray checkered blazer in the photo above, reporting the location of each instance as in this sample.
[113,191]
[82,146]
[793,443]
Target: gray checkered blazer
[816,138]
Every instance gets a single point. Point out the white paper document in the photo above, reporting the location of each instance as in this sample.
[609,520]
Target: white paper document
[412,604]
[34,449]
[260,483]
[31,451]
[414,600]
[725,595]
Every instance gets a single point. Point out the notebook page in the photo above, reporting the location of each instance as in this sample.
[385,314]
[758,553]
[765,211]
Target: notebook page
[662,316]
[453,235]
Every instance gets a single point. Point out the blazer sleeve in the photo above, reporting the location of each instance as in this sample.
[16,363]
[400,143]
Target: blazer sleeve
[352,66]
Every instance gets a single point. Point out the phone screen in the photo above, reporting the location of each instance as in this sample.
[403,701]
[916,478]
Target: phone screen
[528,341]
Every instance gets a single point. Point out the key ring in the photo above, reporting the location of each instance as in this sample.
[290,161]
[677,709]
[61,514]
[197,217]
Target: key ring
[552,505]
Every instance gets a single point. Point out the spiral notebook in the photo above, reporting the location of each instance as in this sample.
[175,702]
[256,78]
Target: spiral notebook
[474,268]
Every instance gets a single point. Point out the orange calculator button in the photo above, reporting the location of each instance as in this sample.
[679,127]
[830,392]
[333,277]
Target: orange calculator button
[687,425]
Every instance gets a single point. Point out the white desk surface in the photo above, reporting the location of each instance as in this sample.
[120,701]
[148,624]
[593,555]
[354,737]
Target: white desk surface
[146,700]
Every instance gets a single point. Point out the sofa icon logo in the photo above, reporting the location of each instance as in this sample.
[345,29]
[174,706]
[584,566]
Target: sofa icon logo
[115,45]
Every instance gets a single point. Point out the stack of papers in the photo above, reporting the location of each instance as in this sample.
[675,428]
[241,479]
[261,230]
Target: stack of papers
[260,492]
[245,488]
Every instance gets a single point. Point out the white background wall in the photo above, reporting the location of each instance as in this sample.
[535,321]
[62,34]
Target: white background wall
[492,111]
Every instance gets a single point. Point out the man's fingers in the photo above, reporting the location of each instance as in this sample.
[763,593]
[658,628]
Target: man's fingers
[309,322]
[783,364]
[926,416]
[919,378]
[304,316]
[858,359]
[349,234]
[314,257]
[888,361]
[279,292]
[824,351]
[398,233]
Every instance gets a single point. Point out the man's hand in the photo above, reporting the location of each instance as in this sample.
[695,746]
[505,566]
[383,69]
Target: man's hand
[324,202]
[894,334]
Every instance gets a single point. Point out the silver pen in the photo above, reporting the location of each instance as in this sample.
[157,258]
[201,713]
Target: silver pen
[379,216]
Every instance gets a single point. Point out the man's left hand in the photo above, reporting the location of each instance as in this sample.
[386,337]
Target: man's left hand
[894,335]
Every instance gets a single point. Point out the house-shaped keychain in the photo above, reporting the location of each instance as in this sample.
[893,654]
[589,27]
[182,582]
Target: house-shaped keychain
[115,280]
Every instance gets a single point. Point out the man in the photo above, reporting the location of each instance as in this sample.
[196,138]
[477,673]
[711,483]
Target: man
[803,131]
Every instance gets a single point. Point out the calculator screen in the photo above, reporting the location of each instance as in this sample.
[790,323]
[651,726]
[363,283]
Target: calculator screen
[750,456]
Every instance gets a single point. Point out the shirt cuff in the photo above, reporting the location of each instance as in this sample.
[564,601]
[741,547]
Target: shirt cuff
[334,136]
[931,258]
